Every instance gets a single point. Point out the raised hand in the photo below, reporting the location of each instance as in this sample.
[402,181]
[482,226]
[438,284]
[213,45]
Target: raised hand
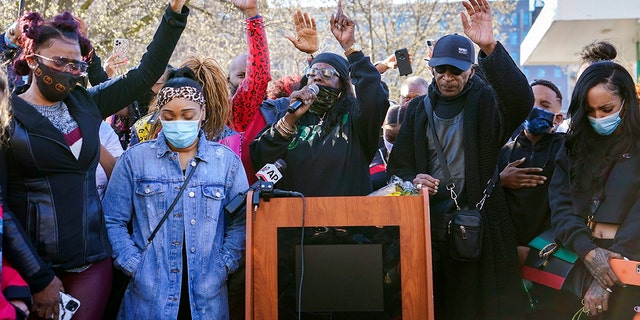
[114,63]
[248,7]
[480,26]
[343,28]
[307,33]
[176,5]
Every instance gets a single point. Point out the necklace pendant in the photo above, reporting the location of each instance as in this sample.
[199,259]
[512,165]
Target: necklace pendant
[321,119]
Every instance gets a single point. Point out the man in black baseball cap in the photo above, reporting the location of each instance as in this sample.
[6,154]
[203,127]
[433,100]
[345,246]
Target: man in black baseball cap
[451,61]
[454,50]
[470,119]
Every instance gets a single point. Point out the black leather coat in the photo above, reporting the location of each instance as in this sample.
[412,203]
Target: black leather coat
[50,192]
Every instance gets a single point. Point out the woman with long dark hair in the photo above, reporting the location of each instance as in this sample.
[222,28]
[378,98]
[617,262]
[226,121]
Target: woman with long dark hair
[594,190]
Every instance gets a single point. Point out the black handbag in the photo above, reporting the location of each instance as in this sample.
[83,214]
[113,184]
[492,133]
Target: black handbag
[465,235]
[465,227]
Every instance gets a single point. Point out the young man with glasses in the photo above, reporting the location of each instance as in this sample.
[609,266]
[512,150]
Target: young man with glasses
[472,121]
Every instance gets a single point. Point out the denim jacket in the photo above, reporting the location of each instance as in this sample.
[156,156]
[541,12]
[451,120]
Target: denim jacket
[144,182]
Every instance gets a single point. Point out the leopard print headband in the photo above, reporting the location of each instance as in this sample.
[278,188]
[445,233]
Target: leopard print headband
[167,94]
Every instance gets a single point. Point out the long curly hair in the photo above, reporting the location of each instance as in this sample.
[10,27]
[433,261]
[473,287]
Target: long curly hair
[213,80]
[38,33]
[592,155]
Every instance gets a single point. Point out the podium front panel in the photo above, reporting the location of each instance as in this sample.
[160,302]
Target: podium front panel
[355,231]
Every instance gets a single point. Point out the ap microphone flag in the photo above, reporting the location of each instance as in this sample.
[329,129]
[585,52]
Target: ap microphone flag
[271,172]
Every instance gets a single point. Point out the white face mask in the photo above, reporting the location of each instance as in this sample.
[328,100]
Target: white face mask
[606,125]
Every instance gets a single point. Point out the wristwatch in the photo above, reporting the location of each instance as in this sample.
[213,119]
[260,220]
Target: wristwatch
[354,48]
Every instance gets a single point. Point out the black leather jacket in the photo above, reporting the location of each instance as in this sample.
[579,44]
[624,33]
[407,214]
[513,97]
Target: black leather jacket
[50,192]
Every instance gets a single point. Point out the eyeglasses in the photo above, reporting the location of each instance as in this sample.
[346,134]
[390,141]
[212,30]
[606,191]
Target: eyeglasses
[66,65]
[443,69]
[326,73]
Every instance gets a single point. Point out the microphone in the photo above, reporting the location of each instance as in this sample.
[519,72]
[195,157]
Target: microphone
[267,176]
[294,106]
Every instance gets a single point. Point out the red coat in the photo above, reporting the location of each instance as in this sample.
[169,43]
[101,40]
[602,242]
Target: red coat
[13,288]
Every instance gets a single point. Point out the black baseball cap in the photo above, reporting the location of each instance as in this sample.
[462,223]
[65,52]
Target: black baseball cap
[454,50]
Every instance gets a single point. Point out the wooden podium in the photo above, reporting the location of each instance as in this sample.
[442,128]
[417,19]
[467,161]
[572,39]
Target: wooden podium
[409,213]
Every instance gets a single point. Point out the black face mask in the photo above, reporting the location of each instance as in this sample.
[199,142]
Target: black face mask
[53,84]
[325,99]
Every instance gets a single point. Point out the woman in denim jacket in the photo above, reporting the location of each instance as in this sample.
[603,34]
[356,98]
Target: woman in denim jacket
[182,273]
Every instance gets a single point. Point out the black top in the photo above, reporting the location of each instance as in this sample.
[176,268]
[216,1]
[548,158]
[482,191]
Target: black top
[529,207]
[620,204]
[53,194]
[491,113]
[331,161]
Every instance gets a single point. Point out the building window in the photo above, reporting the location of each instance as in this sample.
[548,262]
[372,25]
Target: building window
[515,56]
[557,72]
[526,19]
[513,38]
[541,73]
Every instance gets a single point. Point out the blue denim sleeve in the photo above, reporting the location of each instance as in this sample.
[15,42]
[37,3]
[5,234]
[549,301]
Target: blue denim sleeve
[118,208]
[235,227]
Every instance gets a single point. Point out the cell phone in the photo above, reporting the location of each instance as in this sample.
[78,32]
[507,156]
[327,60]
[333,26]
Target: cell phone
[121,46]
[628,271]
[403,62]
[68,306]
[430,44]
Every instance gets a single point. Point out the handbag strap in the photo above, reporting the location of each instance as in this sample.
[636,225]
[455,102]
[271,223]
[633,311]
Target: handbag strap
[443,162]
[436,142]
[173,204]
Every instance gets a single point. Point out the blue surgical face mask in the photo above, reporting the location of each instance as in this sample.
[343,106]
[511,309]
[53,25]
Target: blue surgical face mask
[606,125]
[539,121]
[181,133]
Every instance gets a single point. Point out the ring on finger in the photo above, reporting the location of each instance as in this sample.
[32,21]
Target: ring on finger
[599,308]
[419,186]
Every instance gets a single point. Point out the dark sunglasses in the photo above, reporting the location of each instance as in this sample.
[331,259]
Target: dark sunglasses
[326,73]
[66,65]
[443,69]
